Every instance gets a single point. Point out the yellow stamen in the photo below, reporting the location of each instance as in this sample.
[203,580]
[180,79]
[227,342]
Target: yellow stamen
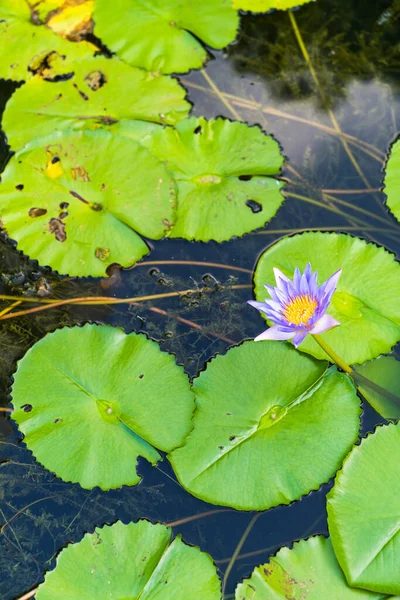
[300,309]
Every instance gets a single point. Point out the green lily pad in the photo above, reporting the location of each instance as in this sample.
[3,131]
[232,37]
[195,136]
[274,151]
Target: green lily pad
[308,570]
[129,562]
[163,35]
[265,5]
[271,425]
[90,400]
[26,47]
[392,180]
[92,99]
[364,513]
[385,373]
[78,201]
[366,302]
[225,176]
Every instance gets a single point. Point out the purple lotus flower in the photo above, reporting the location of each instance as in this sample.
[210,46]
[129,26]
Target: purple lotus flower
[297,307]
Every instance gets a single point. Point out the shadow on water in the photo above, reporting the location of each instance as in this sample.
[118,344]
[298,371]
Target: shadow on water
[335,129]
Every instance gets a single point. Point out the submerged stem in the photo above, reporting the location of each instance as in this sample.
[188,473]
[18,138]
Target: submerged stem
[335,358]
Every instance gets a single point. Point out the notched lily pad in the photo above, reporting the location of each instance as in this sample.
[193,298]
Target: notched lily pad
[265,5]
[137,560]
[385,373]
[27,46]
[163,35]
[364,513]
[225,176]
[271,424]
[308,570]
[98,400]
[64,197]
[366,301]
[92,99]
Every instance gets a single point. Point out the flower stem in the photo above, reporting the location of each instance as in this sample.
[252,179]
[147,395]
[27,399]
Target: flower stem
[358,379]
[335,358]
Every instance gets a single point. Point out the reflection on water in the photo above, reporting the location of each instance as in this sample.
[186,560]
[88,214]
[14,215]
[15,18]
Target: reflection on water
[335,129]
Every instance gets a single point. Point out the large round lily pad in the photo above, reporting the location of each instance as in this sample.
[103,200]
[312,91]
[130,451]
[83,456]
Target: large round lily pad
[364,513]
[78,201]
[307,571]
[385,373]
[130,562]
[366,301]
[90,400]
[270,426]
[163,35]
[225,176]
[28,47]
[265,5]
[392,180]
[92,99]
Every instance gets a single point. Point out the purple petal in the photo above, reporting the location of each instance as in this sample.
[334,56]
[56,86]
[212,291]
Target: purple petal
[276,306]
[279,278]
[312,284]
[272,292]
[299,337]
[258,305]
[304,289]
[273,333]
[308,272]
[324,323]
[331,283]
[296,280]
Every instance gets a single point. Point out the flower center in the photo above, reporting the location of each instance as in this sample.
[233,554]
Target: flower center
[299,310]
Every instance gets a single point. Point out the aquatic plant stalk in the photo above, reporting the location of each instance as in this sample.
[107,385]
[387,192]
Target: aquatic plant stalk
[335,358]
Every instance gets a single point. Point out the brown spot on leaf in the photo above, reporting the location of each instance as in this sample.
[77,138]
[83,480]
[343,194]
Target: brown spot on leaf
[82,94]
[102,253]
[37,212]
[27,407]
[95,80]
[19,187]
[80,173]
[58,420]
[58,228]
[64,205]
[63,215]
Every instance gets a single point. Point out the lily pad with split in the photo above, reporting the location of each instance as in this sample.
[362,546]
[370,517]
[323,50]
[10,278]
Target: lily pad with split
[271,424]
[226,176]
[27,46]
[380,385]
[164,35]
[266,5]
[80,202]
[91,400]
[366,301]
[91,99]
[138,560]
[364,513]
[308,570]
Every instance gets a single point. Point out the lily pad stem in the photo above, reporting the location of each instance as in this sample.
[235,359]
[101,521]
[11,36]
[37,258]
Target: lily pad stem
[335,358]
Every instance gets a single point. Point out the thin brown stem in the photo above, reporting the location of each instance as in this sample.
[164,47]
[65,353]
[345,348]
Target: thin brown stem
[238,548]
[191,263]
[90,301]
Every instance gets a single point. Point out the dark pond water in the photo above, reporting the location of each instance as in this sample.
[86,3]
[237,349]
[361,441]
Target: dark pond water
[335,134]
